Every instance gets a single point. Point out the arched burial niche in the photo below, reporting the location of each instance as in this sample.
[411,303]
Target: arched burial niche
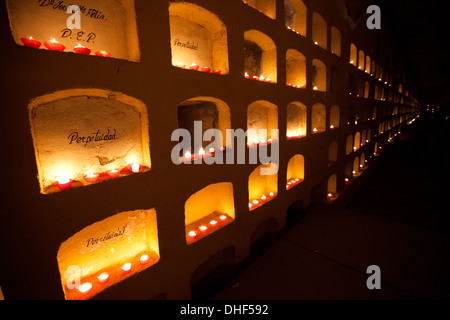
[198,38]
[361,59]
[353,54]
[332,187]
[260,56]
[208,210]
[319,75]
[84,136]
[335,115]
[335,41]
[357,141]
[318,118]
[295,69]
[332,153]
[107,27]
[368,65]
[296,120]
[349,144]
[212,113]
[262,118]
[107,252]
[355,166]
[267,7]
[295,171]
[295,16]
[262,185]
[319,30]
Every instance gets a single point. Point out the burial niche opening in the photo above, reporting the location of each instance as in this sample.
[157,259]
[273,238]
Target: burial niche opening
[353,54]
[205,113]
[335,41]
[208,210]
[260,57]
[332,187]
[318,118]
[319,30]
[296,120]
[262,187]
[319,75]
[262,118]
[295,16]
[109,32]
[198,39]
[85,136]
[335,115]
[295,69]
[107,252]
[295,171]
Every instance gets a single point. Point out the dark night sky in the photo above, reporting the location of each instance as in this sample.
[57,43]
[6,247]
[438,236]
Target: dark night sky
[420,29]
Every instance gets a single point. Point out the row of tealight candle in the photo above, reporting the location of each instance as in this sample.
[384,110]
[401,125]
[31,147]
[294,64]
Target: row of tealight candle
[259,143]
[196,67]
[260,78]
[255,203]
[207,228]
[292,183]
[54,45]
[66,182]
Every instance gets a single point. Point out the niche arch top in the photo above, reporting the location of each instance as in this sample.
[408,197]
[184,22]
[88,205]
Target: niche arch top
[110,31]
[260,55]
[84,136]
[198,37]
[295,16]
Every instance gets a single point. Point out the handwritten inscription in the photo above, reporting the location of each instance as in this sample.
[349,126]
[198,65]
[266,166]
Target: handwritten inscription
[62,5]
[98,136]
[107,236]
[189,45]
[80,35]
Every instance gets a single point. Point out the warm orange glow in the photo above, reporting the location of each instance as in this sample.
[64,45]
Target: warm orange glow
[85,287]
[103,277]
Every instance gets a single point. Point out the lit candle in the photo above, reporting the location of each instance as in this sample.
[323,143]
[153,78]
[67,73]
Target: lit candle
[315,130]
[271,194]
[103,277]
[250,205]
[346,180]
[188,155]
[114,173]
[213,222]
[144,259]
[223,217]
[255,78]
[30,42]
[103,53]
[263,197]
[91,177]
[261,78]
[255,202]
[192,234]
[81,49]
[212,151]
[201,152]
[217,71]
[85,287]
[246,75]
[206,69]
[315,88]
[353,172]
[194,66]
[54,45]
[316,43]
[136,167]
[331,127]
[352,62]
[126,267]
[181,65]
[268,80]
[330,195]
[63,183]
[203,228]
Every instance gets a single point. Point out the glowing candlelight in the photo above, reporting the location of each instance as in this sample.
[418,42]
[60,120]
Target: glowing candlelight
[316,43]
[331,127]
[346,180]
[192,234]
[255,202]
[201,152]
[271,194]
[315,88]
[212,151]
[223,217]
[261,78]
[144,259]
[30,42]
[203,228]
[181,65]
[103,277]
[136,167]
[330,195]
[54,45]
[103,53]
[250,205]
[126,267]
[263,197]
[63,182]
[268,80]
[81,49]
[85,287]
[353,172]
[91,177]
[188,155]
[114,173]
[315,130]
[247,76]
[352,62]
[213,222]
[194,66]
[217,71]
[206,69]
